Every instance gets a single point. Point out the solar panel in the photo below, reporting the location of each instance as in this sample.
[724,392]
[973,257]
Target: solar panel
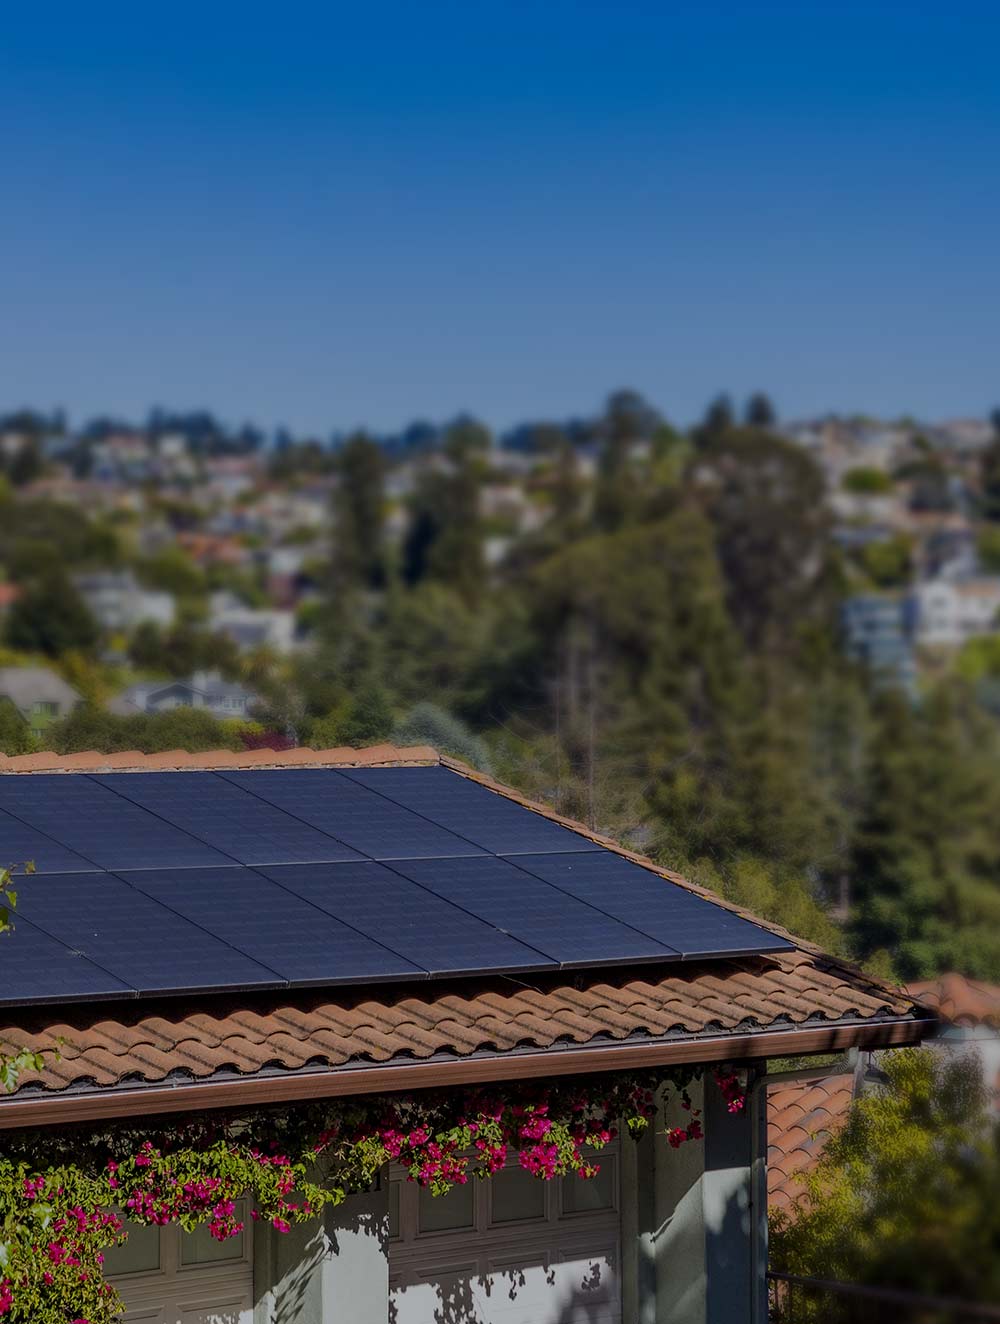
[665,911]
[39,968]
[145,945]
[340,807]
[266,922]
[22,844]
[243,826]
[168,882]
[99,825]
[565,928]
[430,932]
[492,821]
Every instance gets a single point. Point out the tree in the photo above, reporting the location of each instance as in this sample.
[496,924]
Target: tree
[766,499]
[359,554]
[27,464]
[866,481]
[760,412]
[15,738]
[989,476]
[444,541]
[926,851]
[430,724]
[719,418]
[50,617]
[627,419]
[904,1195]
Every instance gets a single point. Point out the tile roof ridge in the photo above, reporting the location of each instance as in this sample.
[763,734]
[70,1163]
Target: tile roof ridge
[181,760]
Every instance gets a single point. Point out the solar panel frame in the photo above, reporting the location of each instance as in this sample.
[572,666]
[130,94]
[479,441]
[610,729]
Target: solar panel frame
[274,926]
[569,931]
[233,821]
[660,908]
[99,825]
[377,828]
[494,822]
[373,898]
[38,968]
[149,947]
[26,844]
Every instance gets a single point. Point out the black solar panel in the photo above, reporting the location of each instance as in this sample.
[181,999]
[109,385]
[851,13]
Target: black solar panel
[22,844]
[99,825]
[35,967]
[158,883]
[637,896]
[300,942]
[564,928]
[231,820]
[336,805]
[431,933]
[498,825]
[145,945]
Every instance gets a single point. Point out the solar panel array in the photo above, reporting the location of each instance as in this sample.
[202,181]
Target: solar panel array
[155,883]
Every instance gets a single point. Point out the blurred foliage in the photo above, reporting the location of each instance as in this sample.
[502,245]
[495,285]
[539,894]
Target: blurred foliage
[867,482]
[905,1195]
[655,650]
[192,729]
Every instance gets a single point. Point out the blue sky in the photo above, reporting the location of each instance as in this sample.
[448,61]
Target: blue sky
[326,215]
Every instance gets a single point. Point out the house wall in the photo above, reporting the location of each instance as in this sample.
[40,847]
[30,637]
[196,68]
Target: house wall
[689,1218]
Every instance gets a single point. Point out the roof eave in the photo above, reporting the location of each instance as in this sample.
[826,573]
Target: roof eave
[558,1060]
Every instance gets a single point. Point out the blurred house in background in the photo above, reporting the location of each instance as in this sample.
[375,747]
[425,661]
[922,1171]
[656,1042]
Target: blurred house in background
[204,689]
[118,601]
[252,627]
[39,695]
[878,632]
[949,612]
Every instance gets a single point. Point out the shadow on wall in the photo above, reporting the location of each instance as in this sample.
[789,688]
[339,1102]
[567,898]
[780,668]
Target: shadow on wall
[475,1298]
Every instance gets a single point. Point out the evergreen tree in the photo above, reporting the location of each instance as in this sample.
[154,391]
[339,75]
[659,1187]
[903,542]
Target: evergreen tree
[760,412]
[766,499]
[359,553]
[926,851]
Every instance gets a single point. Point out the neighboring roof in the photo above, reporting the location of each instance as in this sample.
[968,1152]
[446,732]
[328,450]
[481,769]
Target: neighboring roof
[798,1000]
[28,685]
[960,1001]
[801,1117]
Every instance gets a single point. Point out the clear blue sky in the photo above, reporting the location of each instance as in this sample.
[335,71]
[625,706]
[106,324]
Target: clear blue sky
[335,214]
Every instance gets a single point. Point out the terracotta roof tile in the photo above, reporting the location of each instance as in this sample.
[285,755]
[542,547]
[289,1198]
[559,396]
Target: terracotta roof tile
[333,1029]
[802,1115]
[961,1001]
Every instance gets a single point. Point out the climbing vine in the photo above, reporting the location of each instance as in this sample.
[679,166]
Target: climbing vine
[65,1196]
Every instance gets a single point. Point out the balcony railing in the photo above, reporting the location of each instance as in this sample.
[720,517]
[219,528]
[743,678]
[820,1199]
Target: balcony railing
[797,1300]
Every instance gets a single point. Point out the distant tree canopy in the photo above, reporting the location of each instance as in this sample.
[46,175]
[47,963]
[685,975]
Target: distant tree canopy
[865,481]
[926,854]
[50,617]
[766,500]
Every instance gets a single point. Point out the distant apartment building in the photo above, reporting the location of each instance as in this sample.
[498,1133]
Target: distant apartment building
[119,602]
[204,689]
[878,632]
[951,611]
[38,694]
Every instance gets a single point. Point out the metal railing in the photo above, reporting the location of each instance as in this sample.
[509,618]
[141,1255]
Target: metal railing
[797,1300]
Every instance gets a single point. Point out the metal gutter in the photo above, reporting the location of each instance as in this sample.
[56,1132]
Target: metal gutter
[561,1060]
